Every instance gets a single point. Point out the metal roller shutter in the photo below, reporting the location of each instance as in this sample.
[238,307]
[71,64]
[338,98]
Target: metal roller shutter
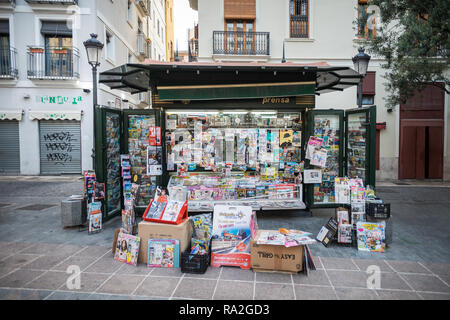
[9,147]
[60,144]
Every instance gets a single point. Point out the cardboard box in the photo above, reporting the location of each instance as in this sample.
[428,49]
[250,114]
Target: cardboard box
[275,258]
[153,230]
[116,236]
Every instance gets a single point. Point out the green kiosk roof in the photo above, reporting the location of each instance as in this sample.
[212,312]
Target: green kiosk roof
[177,81]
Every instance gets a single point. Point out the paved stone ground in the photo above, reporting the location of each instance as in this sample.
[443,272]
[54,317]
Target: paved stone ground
[35,253]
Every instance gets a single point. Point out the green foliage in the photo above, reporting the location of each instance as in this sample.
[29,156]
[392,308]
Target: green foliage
[413,39]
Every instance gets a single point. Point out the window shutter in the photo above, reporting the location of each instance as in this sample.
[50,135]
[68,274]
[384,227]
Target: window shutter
[4,26]
[239,9]
[369,83]
[56,28]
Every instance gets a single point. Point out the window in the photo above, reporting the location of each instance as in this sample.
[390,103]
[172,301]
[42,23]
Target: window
[59,51]
[5,50]
[239,36]
[363,21]
[109,45]
[130,11]
[159,33]
[299,18]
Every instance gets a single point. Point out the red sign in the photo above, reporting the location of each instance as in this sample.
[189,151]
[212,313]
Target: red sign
[154,136]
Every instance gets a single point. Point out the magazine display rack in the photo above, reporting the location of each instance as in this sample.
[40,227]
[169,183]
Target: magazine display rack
[182,215]
[209,189]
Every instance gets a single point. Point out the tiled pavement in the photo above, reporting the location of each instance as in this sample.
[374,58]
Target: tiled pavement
[38,271]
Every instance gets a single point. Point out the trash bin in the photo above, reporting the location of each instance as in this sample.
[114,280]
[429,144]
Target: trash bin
[73,211]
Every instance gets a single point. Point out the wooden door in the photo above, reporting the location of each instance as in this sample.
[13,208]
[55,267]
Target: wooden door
[421,153]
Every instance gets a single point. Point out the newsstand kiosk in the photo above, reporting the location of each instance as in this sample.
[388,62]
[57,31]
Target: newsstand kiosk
[232,132]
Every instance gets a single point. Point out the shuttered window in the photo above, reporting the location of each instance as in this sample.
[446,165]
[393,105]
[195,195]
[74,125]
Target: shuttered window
[56,28]
[239,9]
[299,18]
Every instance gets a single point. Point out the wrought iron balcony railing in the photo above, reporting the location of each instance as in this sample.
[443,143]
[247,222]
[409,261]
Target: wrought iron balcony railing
[241,43]
[8,66]
[193,50]
[53,62]
[144,49]
[12,2]
[68,2]
[144,5]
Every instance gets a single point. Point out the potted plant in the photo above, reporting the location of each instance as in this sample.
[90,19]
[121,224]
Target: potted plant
[36,50]
[60,50]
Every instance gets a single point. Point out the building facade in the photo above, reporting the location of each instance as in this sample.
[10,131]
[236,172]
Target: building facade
[170,49]
[413,139]
[46,114]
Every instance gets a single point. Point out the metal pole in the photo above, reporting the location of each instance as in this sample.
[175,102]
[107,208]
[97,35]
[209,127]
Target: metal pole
[94,79]
[360,93]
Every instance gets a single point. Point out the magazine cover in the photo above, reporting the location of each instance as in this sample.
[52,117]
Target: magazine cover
[127,248]
[99,191]
[341,190]
[154,158]
[231,236]
[313,143]
[163,253]
[327,232]
[357,194]
[358,210]
[297,139]
[319,158]
[89,182]
[156,209]
[286,138]
[154,136]
[172,211]
[345,233]
[371,236]
[95,217]
[312,176]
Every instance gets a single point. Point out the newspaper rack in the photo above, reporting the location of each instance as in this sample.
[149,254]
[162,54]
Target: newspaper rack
[182,215]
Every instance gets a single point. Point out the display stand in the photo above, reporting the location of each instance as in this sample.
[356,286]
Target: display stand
[182,215]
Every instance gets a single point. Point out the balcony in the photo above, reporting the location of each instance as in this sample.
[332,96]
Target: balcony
[144,6]
[11,2]
[54,63]
[143,46]
[8,66]
[241,43]
[66,2]
[193,50]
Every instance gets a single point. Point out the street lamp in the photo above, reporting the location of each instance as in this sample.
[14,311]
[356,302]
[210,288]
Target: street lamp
[361,63]
[94,52]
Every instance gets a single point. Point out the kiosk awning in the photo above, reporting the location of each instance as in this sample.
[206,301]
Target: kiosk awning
[205,80]
[235,91]
[55,115]
[11,115]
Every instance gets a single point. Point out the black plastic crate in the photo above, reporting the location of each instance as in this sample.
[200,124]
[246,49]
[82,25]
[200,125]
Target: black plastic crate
[378,210]
[194,263]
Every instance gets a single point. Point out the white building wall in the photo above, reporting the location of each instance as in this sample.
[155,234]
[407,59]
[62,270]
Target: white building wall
[332,38]
[91,16]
